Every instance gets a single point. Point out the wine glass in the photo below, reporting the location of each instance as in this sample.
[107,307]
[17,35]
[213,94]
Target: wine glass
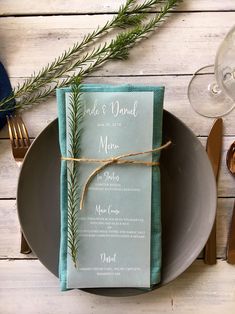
[211,91]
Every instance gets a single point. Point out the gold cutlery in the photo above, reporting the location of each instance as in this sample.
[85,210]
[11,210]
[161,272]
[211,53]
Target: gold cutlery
[213,149]
[231,235]
[20,143]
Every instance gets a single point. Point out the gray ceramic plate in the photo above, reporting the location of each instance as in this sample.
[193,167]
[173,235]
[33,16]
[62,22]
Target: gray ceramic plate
[188,200]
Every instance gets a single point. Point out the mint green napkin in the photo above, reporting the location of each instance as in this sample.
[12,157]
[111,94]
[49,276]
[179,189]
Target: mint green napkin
[158,92]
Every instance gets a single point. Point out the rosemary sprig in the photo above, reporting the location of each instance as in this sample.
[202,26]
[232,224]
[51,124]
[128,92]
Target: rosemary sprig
[75,129]
[118,48]
[129,14]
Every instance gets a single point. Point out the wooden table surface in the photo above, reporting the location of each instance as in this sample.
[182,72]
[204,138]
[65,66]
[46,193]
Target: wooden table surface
[34,33]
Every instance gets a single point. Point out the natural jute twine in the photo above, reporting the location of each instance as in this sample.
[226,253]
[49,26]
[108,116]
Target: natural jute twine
[114,160]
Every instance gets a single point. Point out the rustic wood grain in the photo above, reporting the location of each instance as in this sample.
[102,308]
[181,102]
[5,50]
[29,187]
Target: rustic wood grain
[29,43]
[186,42]
[10,231]
[27,7]
[28,286]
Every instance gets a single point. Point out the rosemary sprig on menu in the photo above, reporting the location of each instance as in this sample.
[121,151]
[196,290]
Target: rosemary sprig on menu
[129,14]
[75,128]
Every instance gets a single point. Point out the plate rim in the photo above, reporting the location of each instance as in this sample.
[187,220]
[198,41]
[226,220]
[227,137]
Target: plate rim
[137,291]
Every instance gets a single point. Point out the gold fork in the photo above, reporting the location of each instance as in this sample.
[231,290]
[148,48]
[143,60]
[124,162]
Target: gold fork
[20,143]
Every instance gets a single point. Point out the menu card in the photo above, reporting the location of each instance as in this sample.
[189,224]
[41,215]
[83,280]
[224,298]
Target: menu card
[119,228]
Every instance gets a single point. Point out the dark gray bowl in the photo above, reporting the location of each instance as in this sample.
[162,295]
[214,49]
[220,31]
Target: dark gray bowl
[188,200]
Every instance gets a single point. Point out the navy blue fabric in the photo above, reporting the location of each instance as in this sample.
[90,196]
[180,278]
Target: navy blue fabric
[5,91]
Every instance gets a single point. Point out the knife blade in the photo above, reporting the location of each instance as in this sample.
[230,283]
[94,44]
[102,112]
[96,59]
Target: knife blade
[213,149]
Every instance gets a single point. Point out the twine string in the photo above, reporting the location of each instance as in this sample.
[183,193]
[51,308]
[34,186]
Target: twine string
[114,160]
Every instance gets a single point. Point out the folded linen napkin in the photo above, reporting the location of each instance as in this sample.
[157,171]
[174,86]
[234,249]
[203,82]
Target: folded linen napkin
[118,232]
[5,91]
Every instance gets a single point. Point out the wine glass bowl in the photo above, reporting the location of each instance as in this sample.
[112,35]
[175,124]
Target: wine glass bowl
[211,91]
[225,64]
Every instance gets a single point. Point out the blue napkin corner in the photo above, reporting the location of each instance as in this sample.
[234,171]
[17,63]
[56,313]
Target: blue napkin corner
[5,91]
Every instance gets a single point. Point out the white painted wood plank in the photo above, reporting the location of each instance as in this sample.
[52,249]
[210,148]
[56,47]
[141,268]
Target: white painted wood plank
[10,229]
[26,45]
[8,171]
[28,286]
[176,101]
[29,43]
[11,7]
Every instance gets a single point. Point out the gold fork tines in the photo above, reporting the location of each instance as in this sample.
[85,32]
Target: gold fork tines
[20,143]
[19,137]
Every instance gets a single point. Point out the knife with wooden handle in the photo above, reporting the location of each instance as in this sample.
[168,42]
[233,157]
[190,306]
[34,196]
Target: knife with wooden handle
[213,149]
